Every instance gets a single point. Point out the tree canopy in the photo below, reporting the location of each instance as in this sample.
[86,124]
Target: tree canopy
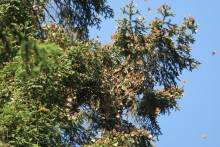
[58,88]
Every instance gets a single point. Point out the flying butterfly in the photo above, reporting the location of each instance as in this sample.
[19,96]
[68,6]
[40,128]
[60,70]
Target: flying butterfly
[183,81]
[214,52]
[149,10]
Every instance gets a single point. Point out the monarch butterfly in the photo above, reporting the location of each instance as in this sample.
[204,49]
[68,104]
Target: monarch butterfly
[157,111]
[214,52]
[192,20]
[149,10]
[183,81]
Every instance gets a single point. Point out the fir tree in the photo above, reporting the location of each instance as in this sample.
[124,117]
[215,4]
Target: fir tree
[59,89]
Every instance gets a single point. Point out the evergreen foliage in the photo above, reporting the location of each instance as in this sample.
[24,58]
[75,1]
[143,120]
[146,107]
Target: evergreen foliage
[60,89]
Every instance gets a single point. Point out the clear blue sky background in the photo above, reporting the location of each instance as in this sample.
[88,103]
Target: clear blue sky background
[200,113]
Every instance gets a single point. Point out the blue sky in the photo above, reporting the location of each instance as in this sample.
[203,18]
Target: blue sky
[200,113]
